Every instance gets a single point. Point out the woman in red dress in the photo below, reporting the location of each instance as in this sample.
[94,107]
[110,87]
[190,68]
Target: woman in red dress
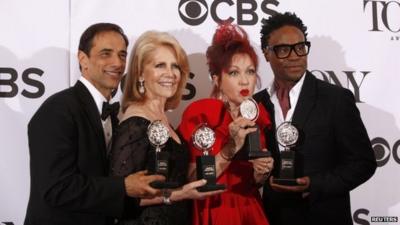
[233,66]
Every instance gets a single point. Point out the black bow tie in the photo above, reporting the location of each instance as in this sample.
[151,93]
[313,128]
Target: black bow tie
[109,109]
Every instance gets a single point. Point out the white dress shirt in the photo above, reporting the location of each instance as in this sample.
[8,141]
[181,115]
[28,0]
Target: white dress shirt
[99,99]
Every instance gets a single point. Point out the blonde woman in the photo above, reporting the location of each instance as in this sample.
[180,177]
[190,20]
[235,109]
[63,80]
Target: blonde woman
[157,74]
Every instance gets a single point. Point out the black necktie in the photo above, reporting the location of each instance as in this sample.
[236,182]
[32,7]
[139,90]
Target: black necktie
[109,110]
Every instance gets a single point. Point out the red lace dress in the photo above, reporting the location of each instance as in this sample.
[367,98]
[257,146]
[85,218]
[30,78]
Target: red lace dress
[241,203]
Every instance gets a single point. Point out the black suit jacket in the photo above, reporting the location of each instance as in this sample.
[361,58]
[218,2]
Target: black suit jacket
[334,150]
[68,164]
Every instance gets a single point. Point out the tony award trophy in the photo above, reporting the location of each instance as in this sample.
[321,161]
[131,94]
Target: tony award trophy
[203,139]
[249,110]
[158,135]
[287,136]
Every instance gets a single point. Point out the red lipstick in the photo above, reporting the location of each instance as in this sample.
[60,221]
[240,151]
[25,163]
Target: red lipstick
[244,92]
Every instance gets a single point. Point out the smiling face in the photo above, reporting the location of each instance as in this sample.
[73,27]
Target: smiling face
[105,64]
[238,81]
[292,68]
[161,74]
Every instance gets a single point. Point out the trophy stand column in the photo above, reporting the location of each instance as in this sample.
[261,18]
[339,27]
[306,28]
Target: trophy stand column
[203,138]
[287,136]
[249,110]
[158,135]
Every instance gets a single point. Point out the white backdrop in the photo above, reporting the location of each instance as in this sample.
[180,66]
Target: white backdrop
[355,44]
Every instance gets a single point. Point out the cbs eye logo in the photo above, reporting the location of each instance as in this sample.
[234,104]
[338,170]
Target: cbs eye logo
[193,12]
[383,151]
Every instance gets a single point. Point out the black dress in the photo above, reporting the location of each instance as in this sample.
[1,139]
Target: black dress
[133,152]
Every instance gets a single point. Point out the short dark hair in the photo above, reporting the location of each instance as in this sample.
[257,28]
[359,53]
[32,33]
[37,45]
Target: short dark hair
[277,21]
[86,41]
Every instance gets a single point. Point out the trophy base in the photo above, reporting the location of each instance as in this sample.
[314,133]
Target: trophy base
[164,185]
[211,187]
[285,181]
[259,154]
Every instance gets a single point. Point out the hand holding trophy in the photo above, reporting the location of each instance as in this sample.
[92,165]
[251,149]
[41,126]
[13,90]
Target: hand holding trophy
[158,135]
[287,136]
[203,139]
[250,111]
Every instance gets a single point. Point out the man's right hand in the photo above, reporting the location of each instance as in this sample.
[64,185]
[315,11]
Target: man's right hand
[137,185]
[303,185]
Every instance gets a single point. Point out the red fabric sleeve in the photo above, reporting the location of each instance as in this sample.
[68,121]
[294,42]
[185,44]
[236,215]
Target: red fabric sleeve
[206,111]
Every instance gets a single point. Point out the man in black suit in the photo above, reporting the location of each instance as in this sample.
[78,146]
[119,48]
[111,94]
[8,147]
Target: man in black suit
[333,154]
[68,140]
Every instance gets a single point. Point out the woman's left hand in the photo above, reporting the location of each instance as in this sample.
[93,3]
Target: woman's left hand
[189,191]
[238,130]
[262,167]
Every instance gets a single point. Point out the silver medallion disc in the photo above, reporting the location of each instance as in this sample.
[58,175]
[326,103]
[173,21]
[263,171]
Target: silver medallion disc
[249,109]
[157,133]
[203,138]
[287,134]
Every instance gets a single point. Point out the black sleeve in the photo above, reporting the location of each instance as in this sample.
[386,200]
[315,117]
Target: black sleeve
[357,161]
[129,155]
[56,165]
[130,148]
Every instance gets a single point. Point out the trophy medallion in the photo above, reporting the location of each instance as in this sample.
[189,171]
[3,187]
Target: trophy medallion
[203,139]
[287,136]
[158,135]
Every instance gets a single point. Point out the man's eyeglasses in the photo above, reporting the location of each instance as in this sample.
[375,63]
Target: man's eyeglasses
[283,51]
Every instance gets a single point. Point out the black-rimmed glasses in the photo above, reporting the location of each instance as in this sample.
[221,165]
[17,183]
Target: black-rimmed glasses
[283,51]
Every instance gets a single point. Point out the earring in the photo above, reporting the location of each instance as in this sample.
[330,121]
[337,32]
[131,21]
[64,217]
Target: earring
[221,96]
[224,99]
[141,85]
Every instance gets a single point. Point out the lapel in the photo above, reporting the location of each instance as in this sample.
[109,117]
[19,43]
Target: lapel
[114,124]
[306,101]
[265,99]
[92,114]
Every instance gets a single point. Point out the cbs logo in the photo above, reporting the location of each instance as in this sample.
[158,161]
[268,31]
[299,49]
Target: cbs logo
[383,151]
[9,87]
[195,12]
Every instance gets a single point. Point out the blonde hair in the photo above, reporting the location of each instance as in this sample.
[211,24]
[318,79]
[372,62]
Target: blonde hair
[141,54]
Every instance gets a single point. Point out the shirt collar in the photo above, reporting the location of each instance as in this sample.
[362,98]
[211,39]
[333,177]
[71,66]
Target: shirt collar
[294,91]
[297,87]
[97,96]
